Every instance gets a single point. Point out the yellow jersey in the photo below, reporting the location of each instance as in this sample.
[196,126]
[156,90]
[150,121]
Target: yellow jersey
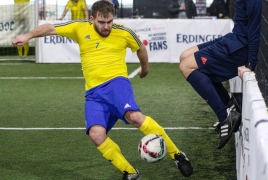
[77,9]
[21,1]
[102,58]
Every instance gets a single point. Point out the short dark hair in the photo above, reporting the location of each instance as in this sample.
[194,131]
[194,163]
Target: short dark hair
[102,6]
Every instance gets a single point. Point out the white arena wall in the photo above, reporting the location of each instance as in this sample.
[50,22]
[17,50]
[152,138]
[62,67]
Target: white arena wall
[251,141]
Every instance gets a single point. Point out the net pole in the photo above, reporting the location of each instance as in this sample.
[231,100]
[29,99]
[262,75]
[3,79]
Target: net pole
[36,10]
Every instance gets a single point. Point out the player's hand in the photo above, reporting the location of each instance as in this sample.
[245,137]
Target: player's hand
[182,8]
[241,70]
[19,40]
[142,74]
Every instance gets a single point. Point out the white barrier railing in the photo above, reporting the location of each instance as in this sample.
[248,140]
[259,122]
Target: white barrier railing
[252,138]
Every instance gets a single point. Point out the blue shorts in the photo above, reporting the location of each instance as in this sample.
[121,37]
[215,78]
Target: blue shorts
[220,58]
[107,103]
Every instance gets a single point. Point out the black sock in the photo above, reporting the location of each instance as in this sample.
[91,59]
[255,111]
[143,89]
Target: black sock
[205,88]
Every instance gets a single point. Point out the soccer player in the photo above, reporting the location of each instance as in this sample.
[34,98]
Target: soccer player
[78,8]
[109,94]
[21,16]
[207,65]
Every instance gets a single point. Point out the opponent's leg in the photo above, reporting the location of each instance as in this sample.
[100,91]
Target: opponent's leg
[229,120]
[203,85]
[222,92]
[229,100]
[186,53]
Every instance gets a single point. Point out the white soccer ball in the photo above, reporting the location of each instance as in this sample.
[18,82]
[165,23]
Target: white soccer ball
[152,148]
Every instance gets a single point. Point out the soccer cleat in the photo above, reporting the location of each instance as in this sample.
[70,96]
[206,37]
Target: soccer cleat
[183,164]
[233,105]
[227,127]
[216,126]
[127,176]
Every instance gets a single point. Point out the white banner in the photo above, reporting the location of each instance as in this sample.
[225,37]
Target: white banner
[154,35]
[164,39]
[184,34]
[57,49]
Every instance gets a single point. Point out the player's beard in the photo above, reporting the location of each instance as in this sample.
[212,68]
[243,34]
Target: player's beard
[103,33]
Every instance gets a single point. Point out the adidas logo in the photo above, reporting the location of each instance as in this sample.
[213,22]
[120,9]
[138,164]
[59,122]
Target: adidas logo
[127,106]
[224,130]
[204,60]
[87,37]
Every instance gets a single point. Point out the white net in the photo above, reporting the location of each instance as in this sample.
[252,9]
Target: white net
[16,18]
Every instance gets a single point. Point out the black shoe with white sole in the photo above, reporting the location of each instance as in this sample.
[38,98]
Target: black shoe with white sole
[183,164]
[228,126]
[128,176]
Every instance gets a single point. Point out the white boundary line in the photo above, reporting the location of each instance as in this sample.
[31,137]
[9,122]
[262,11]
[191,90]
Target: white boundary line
[13,64]
[133,74]
[14,59]
[66,128]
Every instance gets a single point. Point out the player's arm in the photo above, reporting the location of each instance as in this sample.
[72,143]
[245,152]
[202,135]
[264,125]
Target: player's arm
[86,12]
[40,31]
[136,45]
[143,58]
[64,13]
[254,9]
